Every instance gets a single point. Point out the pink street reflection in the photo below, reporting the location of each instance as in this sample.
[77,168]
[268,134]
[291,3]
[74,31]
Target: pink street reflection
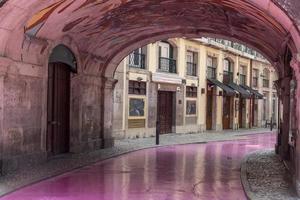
[183,172]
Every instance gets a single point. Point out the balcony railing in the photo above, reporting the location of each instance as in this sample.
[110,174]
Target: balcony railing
[255,82]
[191,69]
[266,83]
[242,79]
[211,72]
[137,60]
[167,65]
[227,77]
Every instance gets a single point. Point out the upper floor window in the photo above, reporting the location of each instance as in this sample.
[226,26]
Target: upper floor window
[243,77]
[266,78]
[191,62]
[137,58]
[212,63]
[137,88]
[228,71]
[255,75]
[167,63]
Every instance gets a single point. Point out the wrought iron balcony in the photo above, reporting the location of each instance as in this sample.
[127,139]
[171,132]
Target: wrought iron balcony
[211,72]
[191,69]
[227,77]
[137,60]
[167,65]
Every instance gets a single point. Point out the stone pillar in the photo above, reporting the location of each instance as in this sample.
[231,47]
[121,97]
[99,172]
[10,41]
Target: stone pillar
[295,64]
[285,125]
[107,112]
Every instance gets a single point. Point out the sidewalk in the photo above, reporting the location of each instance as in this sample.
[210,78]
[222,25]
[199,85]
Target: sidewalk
[69,162]
[265,177]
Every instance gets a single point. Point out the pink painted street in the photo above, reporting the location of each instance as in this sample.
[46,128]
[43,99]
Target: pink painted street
[180,172]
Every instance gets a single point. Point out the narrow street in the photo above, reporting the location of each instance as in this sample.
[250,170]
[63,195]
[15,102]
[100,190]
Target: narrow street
[180,172]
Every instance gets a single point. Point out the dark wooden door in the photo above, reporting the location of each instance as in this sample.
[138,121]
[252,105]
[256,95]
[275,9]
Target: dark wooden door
[226,112]
[58,109]
[209,108]
[255,112]
[165,111]
[241,110]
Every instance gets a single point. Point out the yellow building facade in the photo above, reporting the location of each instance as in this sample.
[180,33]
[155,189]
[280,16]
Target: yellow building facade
[190,86]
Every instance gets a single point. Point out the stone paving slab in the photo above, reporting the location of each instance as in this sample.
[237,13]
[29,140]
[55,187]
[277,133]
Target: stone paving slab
[69,162]
[265,177]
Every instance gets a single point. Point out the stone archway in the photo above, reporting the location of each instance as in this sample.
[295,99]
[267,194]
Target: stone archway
[104,32]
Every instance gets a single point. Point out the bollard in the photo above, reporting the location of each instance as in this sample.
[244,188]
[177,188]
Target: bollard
[157,132]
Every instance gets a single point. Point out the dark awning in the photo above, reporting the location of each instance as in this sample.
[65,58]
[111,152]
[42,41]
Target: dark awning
[244,93]
[255,93]
[225,88]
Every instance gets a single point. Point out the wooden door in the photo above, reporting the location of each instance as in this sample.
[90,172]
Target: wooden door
[241,110]
[165,111]
[226,112]
[209,108]
[58,109]
[255,112]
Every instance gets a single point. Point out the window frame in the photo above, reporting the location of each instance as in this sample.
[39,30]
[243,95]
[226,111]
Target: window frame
[193,90]
[193,62]
[134,88]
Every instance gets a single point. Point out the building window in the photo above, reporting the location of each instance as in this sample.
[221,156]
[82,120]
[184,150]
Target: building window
[212,64]
[191,92]
[191,107]
[191,58]
[166,55]
[243,76]
[137,88]
[266,78]
[227,72]
[255,78]
[137,59]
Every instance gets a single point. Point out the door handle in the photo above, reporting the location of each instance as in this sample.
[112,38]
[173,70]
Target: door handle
[53,122]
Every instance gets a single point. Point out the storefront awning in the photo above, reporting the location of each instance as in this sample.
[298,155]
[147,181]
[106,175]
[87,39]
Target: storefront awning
[255,93]
[227,90]
[243,93]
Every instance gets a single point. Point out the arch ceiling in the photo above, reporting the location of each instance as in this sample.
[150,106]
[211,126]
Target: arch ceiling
[110,29]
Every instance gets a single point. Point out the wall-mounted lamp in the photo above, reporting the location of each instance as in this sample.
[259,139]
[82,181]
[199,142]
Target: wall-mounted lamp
[202,90]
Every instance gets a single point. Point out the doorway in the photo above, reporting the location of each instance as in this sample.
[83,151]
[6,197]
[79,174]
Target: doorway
[58,116]
[242,110]
[209,108]
[165,111]
[227,112]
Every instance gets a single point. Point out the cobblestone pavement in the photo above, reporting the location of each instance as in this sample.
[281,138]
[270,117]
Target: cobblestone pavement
[265,177]
[68,162]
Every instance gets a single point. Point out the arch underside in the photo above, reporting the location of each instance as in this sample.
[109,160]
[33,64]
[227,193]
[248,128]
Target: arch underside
[110,29]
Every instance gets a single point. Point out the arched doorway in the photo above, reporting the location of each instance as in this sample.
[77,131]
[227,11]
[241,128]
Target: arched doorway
[62,62]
